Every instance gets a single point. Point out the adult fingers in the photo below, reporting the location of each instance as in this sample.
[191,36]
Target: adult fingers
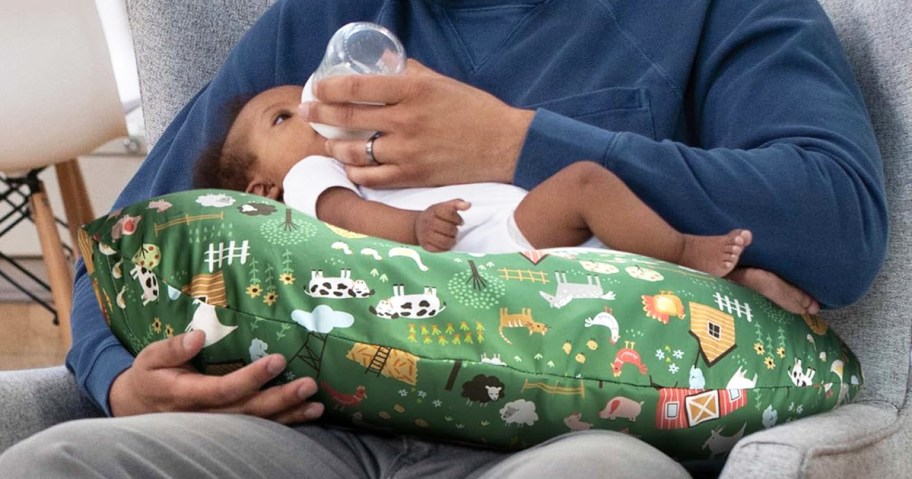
[354,152]
[172,352]
[275,401]
[365,102]
[304,413]
[158,377]
[382,89]
[385,89]
[347,115]
[235,387]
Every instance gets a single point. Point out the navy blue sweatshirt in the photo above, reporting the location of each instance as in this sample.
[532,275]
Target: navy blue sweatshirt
[718,114]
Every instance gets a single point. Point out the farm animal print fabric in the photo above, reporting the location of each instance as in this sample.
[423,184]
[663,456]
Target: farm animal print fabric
[504,350]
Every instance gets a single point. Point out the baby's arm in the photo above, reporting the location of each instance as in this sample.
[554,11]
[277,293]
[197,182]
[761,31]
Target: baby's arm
[434,229]
[345,208]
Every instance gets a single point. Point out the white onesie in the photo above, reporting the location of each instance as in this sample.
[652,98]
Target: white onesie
[488,225]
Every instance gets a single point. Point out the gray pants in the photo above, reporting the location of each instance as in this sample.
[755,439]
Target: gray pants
[227,446]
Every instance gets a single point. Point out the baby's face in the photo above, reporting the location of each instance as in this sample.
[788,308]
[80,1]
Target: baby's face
[274,131]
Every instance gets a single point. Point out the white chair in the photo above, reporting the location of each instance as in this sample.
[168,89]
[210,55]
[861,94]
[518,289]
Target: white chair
[58,100]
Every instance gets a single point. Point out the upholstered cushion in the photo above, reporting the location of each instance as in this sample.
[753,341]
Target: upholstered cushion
[505,350]
[179,46]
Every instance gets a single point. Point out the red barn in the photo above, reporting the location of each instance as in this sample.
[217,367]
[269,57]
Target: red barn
[681,408]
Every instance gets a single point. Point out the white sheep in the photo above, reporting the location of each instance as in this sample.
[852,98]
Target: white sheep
[519,412]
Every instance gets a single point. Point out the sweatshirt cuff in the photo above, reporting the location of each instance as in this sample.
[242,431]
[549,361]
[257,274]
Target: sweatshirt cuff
[554,142]
[110,363]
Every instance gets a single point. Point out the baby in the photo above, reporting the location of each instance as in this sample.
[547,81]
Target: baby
[273,152]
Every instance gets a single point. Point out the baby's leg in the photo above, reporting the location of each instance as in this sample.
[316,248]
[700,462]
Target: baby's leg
[585,199]
[776,289]
[716,255]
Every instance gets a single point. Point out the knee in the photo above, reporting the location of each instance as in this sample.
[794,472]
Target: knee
[588,454]
[589,174]
[53,452]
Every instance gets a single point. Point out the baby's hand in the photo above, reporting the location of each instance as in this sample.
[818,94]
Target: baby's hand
[436,227]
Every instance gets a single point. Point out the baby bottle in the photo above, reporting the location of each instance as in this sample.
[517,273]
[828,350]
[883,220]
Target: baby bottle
[359,48]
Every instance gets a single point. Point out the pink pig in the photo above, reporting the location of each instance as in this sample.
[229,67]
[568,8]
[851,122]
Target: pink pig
[620,406]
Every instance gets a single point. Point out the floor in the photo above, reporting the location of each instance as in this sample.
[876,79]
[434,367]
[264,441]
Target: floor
[28,337]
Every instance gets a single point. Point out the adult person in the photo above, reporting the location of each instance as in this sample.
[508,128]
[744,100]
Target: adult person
[743,110]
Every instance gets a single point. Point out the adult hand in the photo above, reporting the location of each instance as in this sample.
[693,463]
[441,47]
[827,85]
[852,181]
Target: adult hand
[436,130]
[161,379]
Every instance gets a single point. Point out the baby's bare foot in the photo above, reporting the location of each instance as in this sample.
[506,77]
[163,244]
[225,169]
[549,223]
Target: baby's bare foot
[716,255]
[787,296]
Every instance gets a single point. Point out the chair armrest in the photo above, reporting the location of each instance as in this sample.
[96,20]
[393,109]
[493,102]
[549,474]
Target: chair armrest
[855,440]
[32,400]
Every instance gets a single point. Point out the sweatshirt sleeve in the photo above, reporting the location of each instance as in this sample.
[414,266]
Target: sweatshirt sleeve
[96,357]
[777,140]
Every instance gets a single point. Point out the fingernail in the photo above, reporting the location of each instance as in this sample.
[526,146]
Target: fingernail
[306,389]
[303,109]
[275,364]
[314,410]
[187,340]
[304,392]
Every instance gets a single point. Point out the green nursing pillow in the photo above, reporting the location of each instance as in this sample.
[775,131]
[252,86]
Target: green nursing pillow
[504,350]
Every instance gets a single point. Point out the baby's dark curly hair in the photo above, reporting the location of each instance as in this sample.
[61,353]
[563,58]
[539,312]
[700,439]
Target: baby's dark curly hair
[222,165]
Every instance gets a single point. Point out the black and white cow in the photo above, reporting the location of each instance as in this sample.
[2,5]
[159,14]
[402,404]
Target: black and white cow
[424,305]
[148,281]
[341,286]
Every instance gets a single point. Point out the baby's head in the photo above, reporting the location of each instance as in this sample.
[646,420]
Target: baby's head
[266,138]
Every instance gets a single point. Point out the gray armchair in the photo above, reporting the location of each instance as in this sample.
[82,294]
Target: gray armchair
[180,44]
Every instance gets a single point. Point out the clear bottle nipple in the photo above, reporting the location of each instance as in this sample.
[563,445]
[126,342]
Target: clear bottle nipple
[360,48]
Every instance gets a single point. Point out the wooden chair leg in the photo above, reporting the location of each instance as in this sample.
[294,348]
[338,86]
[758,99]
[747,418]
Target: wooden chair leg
[60,276]
[76,203]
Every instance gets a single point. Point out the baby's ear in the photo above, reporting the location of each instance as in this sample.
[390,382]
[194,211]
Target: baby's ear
[262,187]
